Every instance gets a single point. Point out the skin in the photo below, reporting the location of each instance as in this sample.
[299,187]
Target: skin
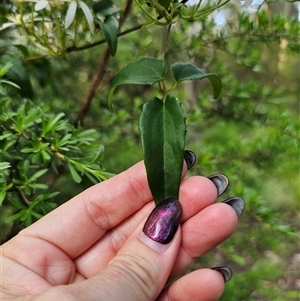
[90,248]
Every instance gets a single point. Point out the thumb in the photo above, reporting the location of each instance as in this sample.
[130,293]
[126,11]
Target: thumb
[142,266]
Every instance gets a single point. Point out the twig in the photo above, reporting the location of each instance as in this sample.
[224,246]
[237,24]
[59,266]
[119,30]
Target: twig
[100,73]
[123,33]
[86,104]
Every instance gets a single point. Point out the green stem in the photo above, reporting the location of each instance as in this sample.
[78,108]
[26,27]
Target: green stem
[144,11]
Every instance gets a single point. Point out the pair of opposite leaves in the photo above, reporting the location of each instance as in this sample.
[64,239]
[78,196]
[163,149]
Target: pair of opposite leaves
[162,122]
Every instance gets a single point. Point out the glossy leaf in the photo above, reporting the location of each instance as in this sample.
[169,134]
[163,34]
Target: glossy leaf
[110,29]
[146,71]
[187,71]
[163,130]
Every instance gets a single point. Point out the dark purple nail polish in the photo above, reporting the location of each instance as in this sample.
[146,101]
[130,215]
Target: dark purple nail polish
[163,221]
[236,203]
[190,158]
[220,181]
[225,271]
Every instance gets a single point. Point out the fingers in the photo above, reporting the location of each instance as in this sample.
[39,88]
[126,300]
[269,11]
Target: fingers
[140,269]
[196,193]
[202,233]
[79,223]
[204,285]
[76,225]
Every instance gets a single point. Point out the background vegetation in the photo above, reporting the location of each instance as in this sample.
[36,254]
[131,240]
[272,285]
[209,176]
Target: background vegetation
[58,137]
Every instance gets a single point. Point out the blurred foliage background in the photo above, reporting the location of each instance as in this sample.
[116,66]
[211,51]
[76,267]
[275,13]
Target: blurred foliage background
[58,137]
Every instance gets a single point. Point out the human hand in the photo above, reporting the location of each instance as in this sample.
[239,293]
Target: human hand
[94,248]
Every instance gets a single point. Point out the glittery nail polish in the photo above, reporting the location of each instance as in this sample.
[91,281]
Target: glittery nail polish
[190,158]
[163,221]
[220,181]
[236,203]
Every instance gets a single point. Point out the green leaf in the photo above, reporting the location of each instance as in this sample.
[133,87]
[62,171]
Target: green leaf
[14,217]
[163,130]
[110,30]
[17,204]
[37,175]
[75,175]
[165,3]
[105,8]
[52,123]
[146,71]
[98,156]
[187,71]
[2,196]
[4,165]
[63,141]
[18,75]
[39,186]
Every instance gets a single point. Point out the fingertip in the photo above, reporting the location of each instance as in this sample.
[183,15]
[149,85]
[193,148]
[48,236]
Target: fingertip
[203,284]
[195,194]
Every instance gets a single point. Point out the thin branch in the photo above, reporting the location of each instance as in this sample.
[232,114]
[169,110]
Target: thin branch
[101,70]
[100,73]
[22,196]
[123,33]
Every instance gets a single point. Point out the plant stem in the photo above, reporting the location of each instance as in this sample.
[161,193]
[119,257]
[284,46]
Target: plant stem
[22,196]
[100,73]
[165,42]
[123,33]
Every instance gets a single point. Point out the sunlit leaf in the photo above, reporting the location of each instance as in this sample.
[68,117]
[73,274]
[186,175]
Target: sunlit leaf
[146,71]
[187,71]
[4,165]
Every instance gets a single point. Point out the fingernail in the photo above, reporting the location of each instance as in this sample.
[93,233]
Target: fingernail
[163,221]
[236,203]
[190,158]
[220,181]
[225,271]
